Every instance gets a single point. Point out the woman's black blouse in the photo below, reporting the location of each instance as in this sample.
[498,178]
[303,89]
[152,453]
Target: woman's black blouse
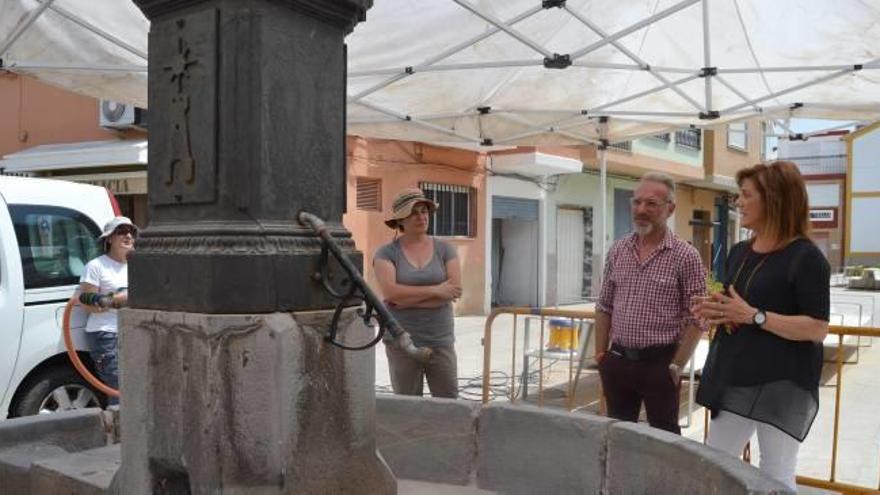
[753,372]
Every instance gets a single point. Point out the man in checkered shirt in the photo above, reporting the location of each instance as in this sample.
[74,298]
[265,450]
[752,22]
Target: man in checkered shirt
[644,311]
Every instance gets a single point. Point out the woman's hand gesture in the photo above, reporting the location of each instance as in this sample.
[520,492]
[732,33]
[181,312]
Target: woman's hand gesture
[721,309]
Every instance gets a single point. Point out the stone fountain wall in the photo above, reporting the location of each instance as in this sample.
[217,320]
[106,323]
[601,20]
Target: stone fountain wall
[499,448]
[520,449]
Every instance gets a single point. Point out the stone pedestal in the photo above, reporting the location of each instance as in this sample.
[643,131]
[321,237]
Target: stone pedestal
[227,383]
[247,404]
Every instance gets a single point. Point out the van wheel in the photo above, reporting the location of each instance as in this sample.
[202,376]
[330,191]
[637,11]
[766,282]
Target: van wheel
[55,389]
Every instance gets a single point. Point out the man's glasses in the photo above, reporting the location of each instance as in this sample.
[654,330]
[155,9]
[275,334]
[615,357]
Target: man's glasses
[651,204]
[126,229]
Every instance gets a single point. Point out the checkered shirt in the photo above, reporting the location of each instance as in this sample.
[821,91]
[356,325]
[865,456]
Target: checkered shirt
[649,302]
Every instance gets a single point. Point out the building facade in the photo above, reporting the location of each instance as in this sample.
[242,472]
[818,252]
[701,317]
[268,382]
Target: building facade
[50,132]
[523,220]
[823,163]
[862,237]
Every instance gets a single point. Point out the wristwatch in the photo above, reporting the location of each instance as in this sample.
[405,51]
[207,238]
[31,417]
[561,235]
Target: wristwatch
[760,318]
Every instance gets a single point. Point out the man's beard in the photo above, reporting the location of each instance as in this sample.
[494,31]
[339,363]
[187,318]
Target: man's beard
[643,229]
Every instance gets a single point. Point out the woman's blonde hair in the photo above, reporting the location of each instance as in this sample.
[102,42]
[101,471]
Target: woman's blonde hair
[784,194]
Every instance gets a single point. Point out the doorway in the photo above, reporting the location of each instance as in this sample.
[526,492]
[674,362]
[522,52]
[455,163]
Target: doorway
[515,252]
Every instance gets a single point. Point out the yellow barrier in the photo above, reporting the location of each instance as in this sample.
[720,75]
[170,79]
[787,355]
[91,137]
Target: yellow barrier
[832,483]
[542,313]
[839,330]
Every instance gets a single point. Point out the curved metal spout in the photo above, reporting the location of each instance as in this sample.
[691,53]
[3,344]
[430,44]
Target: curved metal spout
[386,320]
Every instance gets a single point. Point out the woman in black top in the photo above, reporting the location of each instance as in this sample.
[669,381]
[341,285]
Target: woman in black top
[762,372]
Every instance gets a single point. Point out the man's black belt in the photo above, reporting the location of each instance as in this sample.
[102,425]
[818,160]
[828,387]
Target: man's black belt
[643,354]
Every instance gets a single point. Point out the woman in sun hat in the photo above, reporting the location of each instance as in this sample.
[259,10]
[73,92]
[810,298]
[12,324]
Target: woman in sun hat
[420,276]
[103,289]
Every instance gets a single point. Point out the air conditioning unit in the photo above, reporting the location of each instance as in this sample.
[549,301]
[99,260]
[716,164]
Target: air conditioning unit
[116,115]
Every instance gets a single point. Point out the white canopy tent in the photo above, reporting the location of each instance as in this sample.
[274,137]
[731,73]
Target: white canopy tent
[525,72]
[510,72]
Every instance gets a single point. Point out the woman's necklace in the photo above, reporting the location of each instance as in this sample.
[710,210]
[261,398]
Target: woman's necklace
[748,284]
[751,274]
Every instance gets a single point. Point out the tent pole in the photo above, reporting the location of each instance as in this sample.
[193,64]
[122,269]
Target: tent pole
[645,93]
[635,27]
[94,29]
[448,53]
[707,55]
[796,87]
[737,92]
[796,68]
[408,118]
[24,27]
[25,65]
[632,56]
[602,213]
[505,27]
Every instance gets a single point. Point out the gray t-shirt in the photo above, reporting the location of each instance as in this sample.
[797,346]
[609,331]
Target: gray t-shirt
[429,327]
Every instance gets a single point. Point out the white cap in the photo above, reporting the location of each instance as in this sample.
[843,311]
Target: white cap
[110,226]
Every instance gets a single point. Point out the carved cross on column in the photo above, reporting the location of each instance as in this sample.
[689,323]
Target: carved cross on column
[182,158]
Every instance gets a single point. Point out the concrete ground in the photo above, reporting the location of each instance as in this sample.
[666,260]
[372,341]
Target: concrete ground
[858,459]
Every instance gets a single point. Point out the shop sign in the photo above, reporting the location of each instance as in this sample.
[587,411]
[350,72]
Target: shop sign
[824,218]
[117,185]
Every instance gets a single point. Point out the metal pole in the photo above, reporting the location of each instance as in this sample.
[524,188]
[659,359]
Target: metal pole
[408,118]
[707,57]
[94,29]
[603,202]
[25,65]
[504,27]
[644,93]
[513,365]
[796,68]
[632,56]
[635,27]
[447,53]
[24,27]
[791,89]
[837,406]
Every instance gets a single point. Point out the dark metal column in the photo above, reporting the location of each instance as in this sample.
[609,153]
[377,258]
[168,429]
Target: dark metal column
[228,382]
[248,102]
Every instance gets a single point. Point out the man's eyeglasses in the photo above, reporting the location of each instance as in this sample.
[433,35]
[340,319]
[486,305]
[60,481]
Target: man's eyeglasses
[651,204]
[126,229]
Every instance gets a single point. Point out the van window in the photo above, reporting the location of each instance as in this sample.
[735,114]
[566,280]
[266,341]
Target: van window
[55,244]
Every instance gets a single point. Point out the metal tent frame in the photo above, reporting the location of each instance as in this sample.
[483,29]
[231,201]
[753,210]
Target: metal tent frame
[572,125]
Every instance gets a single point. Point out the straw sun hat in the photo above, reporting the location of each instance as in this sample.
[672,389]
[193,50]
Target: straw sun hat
[404,203]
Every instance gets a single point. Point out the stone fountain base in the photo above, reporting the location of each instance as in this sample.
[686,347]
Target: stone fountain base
[434,446]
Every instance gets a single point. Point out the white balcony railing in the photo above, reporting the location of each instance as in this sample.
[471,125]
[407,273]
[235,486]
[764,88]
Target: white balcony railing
[819,165]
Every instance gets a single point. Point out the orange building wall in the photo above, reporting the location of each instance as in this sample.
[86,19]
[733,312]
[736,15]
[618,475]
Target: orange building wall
[689,199]
[725,161]
[35,113]
[403,164]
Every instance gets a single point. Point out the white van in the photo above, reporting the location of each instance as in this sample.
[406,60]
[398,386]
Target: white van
[48,231]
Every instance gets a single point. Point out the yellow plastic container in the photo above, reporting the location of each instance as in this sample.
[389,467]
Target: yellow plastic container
[563,335]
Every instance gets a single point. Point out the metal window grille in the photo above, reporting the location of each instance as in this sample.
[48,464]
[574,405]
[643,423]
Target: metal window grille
[622,146]
[369,194]
[457,211]
[665,137]
[689,138]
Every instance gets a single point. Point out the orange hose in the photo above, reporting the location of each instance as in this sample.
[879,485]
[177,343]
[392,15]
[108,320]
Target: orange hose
[74,357]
